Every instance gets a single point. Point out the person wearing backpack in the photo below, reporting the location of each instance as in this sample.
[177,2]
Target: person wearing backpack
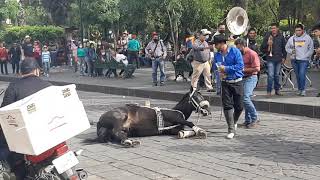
[133,51]
[157,51]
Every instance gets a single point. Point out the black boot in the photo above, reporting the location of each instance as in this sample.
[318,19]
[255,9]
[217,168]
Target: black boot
[228,114]
[236,116]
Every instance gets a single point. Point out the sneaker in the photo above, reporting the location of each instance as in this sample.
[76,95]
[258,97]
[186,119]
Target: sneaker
[155,84]
[253,125]
[269,94]
[230,136]
[188,80]
[298,93]
[161,83]
[278,93]
[244,125]
[303,93]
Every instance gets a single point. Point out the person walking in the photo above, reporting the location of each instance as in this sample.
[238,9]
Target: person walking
[221,31]
[273,46]
[3,59]
[300,47]
[46,60]
[15,58]
[229,63]
[251,68]
[200,64]
[157,52]
[133,51]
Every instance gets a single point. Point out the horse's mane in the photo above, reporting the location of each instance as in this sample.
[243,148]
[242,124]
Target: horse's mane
[182,100]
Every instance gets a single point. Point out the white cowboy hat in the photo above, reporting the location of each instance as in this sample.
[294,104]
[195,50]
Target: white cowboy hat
[205,32]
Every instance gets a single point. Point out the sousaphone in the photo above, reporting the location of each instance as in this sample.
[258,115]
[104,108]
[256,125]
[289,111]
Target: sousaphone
[237,20]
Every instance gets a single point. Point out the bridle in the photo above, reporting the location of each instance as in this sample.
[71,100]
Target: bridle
[198,106]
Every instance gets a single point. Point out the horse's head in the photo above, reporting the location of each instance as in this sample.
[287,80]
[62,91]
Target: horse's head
[199,103]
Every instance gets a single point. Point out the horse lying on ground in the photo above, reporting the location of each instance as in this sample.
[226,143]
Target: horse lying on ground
[137,121]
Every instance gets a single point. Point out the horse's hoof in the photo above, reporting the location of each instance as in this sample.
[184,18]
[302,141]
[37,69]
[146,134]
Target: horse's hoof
[136,143]
[202,134]
[130,143]
[180,135]
[127,143]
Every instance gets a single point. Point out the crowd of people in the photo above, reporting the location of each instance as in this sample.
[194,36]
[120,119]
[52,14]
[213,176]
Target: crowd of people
[226,64]
[44,55]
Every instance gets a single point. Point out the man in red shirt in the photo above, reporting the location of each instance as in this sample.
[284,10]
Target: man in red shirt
[251,69]
[3,59]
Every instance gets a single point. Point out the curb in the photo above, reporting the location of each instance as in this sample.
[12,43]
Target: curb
[273,107]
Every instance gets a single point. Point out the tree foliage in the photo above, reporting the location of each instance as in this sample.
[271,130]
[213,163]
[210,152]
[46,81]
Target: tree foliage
[166,16]
[42,33]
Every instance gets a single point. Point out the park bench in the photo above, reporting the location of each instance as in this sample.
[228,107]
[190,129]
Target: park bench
[112,64]
[181,66]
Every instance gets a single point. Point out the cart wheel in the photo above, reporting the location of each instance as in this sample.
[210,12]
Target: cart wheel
[83,175]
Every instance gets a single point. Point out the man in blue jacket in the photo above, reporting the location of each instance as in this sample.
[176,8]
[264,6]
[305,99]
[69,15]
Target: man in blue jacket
[229,63]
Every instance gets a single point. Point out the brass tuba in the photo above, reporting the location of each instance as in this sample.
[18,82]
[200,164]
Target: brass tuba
[237,20]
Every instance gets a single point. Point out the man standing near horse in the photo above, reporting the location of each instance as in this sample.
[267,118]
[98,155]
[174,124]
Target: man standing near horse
[251,68]
[300,47]
[200,63]
[157,51]
[220,32]
[273,46]
[229,63]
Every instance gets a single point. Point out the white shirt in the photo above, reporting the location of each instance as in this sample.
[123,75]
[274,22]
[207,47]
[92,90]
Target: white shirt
[121,58]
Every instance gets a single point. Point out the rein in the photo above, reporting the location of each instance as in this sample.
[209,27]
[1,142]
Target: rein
[195,105]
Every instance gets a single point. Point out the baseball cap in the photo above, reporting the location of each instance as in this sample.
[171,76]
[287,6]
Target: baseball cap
[28,65]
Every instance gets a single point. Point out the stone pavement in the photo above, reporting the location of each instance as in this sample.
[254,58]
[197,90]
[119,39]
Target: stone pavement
[140,86]
[284,147]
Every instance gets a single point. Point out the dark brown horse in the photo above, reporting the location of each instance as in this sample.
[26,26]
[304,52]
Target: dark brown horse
[137,121]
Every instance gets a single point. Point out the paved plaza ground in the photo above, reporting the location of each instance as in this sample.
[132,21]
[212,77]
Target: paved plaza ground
[283,147]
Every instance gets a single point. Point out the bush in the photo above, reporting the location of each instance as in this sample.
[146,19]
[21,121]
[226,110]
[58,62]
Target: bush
[41,33]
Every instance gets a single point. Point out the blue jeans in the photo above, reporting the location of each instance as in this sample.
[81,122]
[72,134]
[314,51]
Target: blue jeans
[300,68]
[273,75]
[250,111]
[155,64]
[46,67]
[82,63]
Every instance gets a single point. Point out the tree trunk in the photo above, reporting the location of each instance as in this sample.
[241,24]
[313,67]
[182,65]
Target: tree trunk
[50,19]
[241,3]
[172,30]
[276,16]
[318,14]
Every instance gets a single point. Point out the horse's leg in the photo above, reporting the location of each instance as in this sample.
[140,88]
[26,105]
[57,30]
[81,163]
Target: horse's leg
[180,120]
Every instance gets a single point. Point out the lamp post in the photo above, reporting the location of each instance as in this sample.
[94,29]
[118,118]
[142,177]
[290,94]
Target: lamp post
[81,21]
